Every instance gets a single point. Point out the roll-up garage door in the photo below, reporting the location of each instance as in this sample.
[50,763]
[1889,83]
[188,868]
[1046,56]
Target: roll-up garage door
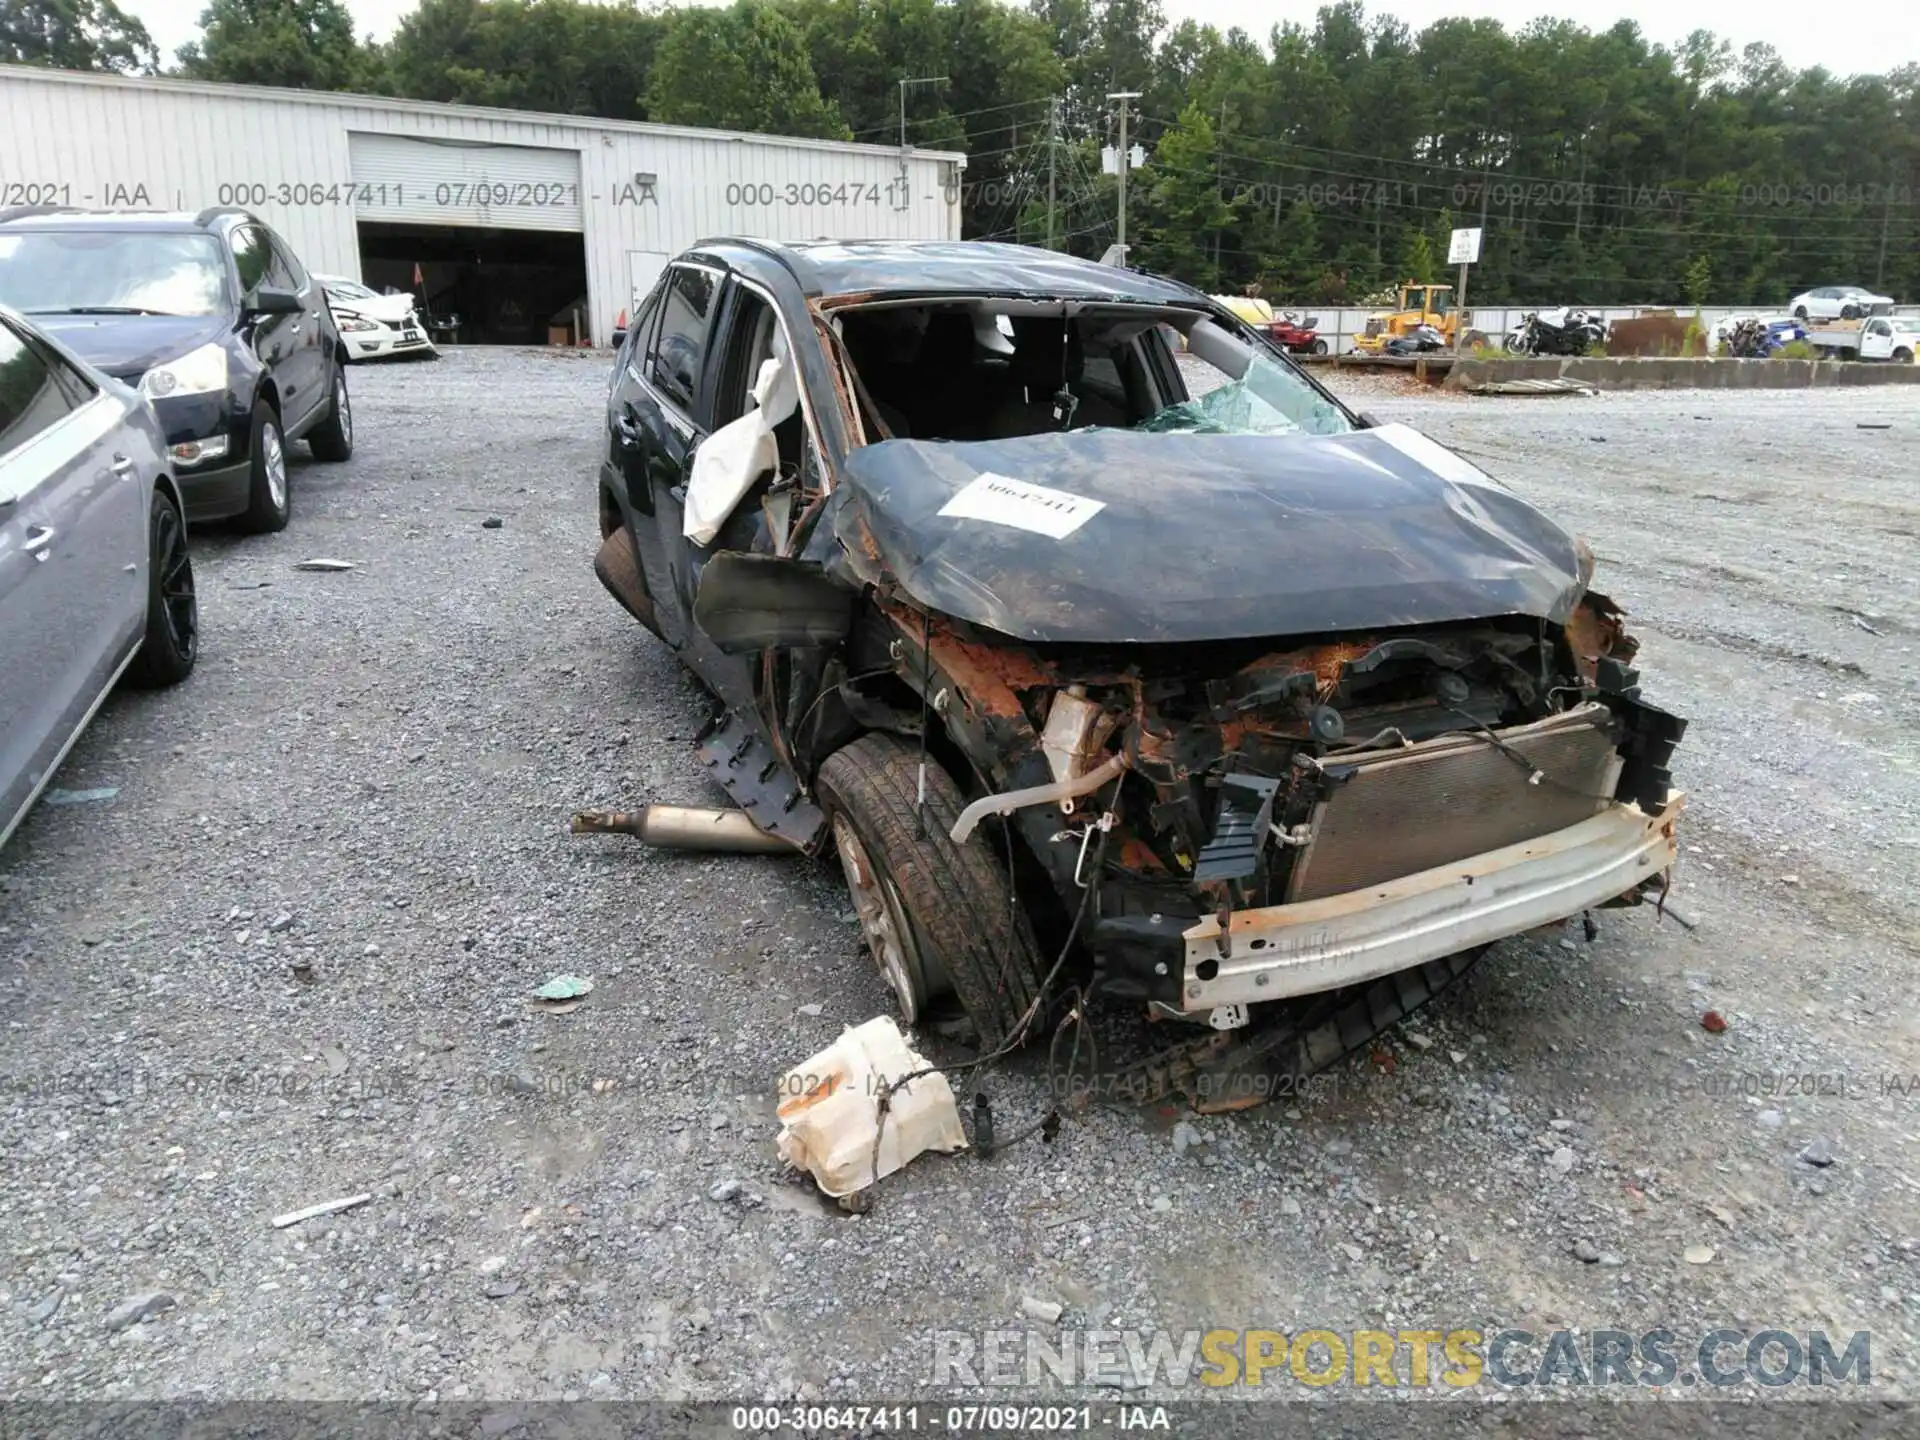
[407,179]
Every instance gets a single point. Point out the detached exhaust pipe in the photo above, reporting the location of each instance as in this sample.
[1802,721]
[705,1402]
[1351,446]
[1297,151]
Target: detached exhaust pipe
[685,827]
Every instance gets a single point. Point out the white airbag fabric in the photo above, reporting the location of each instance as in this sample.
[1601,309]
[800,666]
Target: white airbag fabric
[731,459]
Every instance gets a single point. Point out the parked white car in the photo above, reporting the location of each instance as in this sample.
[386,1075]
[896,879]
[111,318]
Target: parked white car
[375,326]
[1836,302]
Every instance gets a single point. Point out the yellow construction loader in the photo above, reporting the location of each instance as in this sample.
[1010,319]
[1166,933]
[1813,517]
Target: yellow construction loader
[1419,305]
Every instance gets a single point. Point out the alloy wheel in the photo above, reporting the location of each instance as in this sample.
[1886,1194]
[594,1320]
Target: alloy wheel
[882,922]
[179,606]
[274,453]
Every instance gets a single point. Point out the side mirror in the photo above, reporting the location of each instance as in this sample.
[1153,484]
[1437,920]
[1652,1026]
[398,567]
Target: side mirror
[269,301]
[747,603]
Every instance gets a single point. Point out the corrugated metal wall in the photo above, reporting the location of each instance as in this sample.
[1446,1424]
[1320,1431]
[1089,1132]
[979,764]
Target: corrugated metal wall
[108,142]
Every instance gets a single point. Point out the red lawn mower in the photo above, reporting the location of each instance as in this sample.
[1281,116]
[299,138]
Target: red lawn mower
[1297,335]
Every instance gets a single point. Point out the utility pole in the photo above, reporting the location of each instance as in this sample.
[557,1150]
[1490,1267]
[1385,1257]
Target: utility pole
[1053,143]
[1886,222]
[1219,138]
[905,192]
[1120,237]
[1580,190]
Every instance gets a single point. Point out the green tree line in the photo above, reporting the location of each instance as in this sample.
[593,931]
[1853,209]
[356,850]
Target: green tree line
[1318,162]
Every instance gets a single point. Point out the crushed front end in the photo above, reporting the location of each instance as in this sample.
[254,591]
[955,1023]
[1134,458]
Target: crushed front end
[1267,822]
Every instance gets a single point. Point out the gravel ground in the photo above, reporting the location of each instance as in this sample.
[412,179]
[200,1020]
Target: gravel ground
[290,962]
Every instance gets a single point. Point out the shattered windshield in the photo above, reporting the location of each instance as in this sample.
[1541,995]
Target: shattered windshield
[1268,400]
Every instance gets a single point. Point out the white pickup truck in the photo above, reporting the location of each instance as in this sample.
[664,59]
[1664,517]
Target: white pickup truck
[1878,337]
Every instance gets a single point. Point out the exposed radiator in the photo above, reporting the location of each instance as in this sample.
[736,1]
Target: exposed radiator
[1402,811]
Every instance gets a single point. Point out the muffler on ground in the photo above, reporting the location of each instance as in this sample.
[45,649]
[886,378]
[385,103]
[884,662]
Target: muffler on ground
[685,827]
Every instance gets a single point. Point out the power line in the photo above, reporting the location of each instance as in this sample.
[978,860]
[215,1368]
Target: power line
[1676,226]
[1681,188]
[892,127]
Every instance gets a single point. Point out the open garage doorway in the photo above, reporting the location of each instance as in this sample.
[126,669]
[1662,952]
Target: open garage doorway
[484,286]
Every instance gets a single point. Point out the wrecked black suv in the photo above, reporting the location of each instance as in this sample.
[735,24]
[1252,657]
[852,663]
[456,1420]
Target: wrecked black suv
[1104,645]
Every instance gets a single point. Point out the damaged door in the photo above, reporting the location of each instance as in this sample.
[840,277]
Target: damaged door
[660,424]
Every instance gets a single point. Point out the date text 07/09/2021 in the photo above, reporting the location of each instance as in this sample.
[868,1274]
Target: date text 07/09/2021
[483,194]
[963,1418]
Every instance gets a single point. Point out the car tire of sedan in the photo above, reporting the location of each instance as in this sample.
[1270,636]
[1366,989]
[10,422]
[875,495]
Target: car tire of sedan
[1800,312]
[939,918]
[1849,312]
[332,438]
[172,638]
[269,492]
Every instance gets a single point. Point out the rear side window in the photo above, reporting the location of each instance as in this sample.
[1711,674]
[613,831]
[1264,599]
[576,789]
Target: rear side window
[253,256]
[31,397]
[640,333]
[283,270]
[679,354]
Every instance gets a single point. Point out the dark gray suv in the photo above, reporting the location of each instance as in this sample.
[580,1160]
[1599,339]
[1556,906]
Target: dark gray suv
[213,319]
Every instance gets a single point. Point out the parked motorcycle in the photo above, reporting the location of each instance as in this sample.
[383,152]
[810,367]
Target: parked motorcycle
[1565,331]
[1756,339]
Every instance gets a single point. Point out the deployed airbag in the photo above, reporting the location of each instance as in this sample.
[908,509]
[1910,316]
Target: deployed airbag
[731,459]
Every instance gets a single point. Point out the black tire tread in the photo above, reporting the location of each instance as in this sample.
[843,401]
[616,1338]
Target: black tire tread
[260,518]
[158,663]
[327,440]
[957,897]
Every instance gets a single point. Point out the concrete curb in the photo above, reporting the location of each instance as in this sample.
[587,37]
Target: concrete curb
[1699,374]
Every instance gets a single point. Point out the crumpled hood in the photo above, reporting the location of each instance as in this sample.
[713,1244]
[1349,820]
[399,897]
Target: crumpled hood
[389,309]
[127,346]
[1117,536]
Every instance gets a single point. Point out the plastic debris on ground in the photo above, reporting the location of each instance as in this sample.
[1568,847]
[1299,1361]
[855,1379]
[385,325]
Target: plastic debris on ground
[830,1109]
[562,994]
[1531,387]
[325,1207]
[79,797]
[323,563]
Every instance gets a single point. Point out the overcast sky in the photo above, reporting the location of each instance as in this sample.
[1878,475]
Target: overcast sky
[1843,35]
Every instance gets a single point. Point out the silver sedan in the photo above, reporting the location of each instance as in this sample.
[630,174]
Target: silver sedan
[95,579]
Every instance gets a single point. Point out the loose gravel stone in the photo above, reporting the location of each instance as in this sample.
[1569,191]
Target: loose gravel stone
[139,1308]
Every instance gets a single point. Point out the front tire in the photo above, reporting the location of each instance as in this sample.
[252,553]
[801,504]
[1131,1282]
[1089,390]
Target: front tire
[940,918]
[269,494]
[172,639]
[332,438]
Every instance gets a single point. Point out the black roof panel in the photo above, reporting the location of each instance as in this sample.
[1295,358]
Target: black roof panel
[834,269]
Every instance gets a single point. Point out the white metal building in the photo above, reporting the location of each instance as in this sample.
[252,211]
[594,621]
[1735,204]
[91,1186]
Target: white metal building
[510,216]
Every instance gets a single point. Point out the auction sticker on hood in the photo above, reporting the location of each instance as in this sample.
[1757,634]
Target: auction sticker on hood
[1002,500]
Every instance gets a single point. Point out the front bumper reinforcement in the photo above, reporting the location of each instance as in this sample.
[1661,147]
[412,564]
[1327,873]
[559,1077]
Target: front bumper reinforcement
[1348,939]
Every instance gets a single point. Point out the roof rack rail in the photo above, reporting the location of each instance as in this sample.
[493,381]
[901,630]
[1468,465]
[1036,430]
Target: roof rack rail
[212,210]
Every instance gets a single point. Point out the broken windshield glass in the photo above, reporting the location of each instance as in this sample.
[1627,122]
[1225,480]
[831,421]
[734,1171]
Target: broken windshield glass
[1267,400]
